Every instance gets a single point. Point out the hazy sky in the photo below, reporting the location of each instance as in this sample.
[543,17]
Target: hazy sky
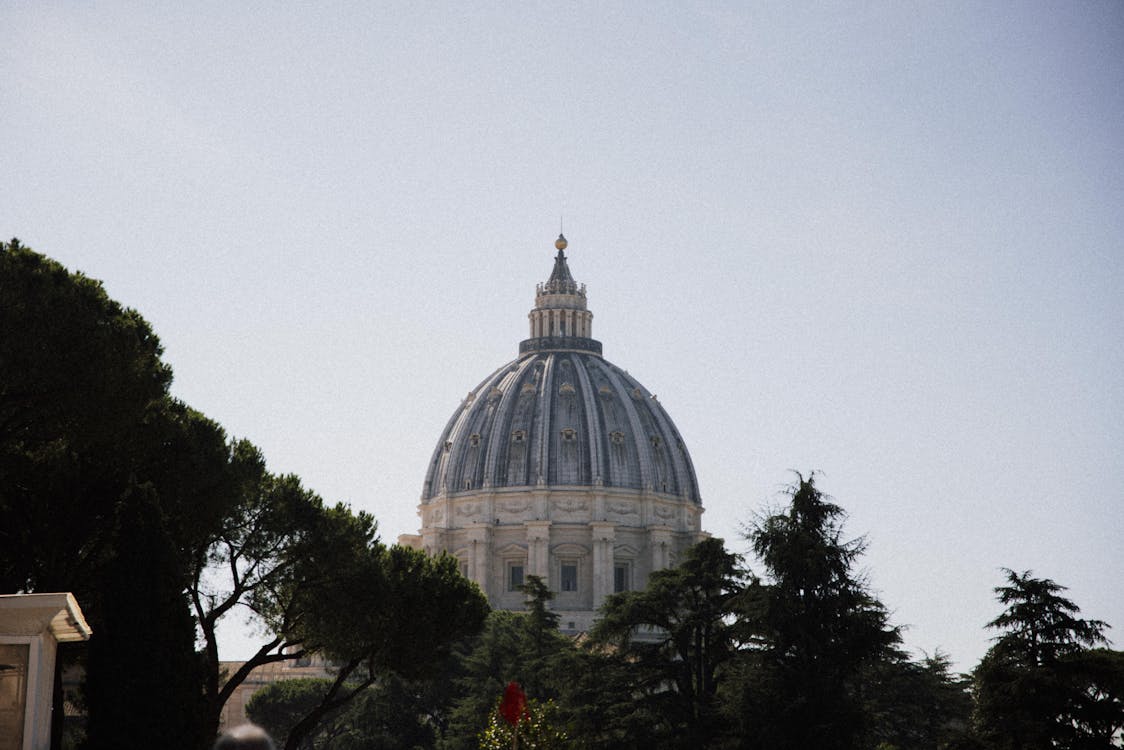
[880,241]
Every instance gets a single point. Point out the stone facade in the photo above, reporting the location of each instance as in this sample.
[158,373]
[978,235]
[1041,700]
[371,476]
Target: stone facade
[561,465]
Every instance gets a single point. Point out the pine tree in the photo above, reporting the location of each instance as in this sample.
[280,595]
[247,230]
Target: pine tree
[813,626]
[1042,684]
[144,687]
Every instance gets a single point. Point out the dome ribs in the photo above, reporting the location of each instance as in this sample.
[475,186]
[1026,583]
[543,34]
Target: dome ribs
[592,423]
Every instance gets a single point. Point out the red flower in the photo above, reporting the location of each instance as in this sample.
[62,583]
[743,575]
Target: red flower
[513,707]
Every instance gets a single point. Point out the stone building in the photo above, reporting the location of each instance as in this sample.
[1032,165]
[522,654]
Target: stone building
[562,465]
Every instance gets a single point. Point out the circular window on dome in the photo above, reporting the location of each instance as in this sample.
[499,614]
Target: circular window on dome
[617,437]
[518,436]
[569,433]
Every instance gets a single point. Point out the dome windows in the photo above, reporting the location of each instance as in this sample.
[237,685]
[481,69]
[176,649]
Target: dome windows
[572,419]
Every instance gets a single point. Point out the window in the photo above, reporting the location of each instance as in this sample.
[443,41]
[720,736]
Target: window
[514,576]
[621,577]
[568,575]
[462,565]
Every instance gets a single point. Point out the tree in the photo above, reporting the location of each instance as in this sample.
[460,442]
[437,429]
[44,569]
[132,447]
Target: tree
[812,628]
[407,609]
[144,687]
[78,373]
[86,422]
[915,704]
[1042,684]
[523,647]
[538,730]
[277,548]
[671,642]
[278,707]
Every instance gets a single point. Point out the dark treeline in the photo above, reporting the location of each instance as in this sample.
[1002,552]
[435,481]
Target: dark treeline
[162,525]
[798,654]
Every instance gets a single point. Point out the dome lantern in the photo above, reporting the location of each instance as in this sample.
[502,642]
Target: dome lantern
[560,319]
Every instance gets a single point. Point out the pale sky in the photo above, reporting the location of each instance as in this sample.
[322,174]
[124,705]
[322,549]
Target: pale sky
[883,241]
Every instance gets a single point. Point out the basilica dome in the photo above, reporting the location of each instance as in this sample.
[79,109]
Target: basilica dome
[560,464]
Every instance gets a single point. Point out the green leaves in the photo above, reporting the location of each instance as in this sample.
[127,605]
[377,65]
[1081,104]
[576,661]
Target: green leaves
[1040,685]
[812,627]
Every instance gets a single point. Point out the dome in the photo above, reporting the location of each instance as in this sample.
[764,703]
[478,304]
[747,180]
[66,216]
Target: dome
[560,417]
[560,465]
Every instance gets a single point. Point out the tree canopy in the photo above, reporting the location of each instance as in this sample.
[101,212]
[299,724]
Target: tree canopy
[1043,684]
[813,627]
[113,489]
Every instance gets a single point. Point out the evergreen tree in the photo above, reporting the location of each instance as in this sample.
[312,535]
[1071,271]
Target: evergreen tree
[144,682]
[919,705]
[523,647]
[665,650]
[814,628]
[1041,685]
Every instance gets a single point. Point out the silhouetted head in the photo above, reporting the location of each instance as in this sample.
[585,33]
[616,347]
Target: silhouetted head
[244,737]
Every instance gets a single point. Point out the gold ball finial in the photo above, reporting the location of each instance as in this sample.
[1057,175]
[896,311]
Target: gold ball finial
[560,243]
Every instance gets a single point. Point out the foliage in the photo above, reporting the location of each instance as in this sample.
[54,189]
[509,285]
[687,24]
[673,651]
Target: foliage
[390,714]
[521,646]
[278,707]
[86,423]
[813,629]
[915,704]
[671,642]
[87,427]
[538,731]
[1041,684]
[393,714]
[142,657]
[277,547]
[393,611]
[78,374]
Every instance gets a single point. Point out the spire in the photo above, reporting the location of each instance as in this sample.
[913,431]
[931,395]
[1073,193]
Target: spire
[561,281]
[560,319]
